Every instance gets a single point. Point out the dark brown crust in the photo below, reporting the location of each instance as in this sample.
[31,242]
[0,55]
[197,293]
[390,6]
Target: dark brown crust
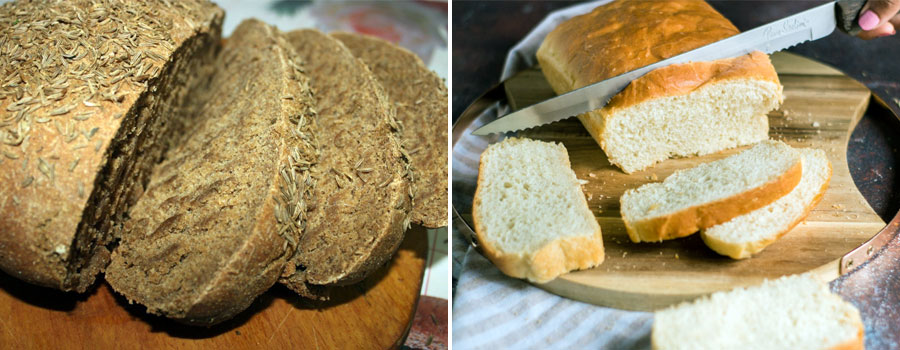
[53,233]
[689,221]
[420,97]
[358,217]
[212,231]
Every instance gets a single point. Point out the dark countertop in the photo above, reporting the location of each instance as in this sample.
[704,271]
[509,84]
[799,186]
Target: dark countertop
[483,32]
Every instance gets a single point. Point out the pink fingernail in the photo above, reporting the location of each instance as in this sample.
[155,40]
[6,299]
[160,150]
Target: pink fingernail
[868,20]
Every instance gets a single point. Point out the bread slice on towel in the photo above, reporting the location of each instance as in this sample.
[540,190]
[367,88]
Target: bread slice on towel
[80,134]
[223,213]
[420,97]
[530,215]
[711,193]
[363,189]
[750,233]
[793,312]
[680,110]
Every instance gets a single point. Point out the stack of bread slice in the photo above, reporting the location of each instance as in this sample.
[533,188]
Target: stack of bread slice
[532,221]
[741,204]
[750,233]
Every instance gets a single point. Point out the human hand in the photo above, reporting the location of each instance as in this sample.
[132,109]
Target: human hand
[879,18]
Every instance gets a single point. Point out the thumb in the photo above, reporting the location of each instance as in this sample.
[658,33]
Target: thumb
[877,12]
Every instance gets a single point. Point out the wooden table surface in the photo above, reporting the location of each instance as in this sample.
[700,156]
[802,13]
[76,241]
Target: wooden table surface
[483,32]
[373,314]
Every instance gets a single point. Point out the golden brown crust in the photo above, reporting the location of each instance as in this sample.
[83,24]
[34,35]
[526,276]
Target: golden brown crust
[682,79]
[420,98]
[858,343]
[553,259]
[625,35]
[72,148]
[690,220]
[743,251]
[557,257]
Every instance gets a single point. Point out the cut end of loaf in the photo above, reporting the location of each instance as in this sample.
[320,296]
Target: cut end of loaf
[712,118]
[795,312]
[530,214]
[749,234]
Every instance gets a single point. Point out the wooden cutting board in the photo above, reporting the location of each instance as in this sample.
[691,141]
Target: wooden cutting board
[821,108]
[374,314]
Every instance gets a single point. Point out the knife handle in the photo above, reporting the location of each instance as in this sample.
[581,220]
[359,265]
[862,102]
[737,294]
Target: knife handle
[847,13]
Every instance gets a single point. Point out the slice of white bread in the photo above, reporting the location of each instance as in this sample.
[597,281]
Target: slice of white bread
[711,193]
[750,233]
[530,215]
[794,312]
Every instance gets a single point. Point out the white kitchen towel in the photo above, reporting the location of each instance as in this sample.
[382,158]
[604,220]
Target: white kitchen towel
[493,311]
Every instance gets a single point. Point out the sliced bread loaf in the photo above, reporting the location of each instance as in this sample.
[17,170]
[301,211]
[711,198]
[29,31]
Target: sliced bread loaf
[420,97]
[711,193]
[361,203]
[680,110]
[91,92]
[752,232]
[530,216]
[794,312]
[223,213]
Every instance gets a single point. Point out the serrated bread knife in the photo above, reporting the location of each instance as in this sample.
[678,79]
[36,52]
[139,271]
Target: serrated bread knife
[808,25]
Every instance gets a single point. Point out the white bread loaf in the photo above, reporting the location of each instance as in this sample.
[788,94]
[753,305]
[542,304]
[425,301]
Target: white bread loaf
[711,193]
[750,233]
[681,110]
[794,312]
[530,215]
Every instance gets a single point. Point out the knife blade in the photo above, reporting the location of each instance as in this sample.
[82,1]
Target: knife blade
[808,25]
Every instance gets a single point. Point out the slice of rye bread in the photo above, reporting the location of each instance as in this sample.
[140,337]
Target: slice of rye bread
[420,97]
[363,193]
[91,92]
[223,213]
